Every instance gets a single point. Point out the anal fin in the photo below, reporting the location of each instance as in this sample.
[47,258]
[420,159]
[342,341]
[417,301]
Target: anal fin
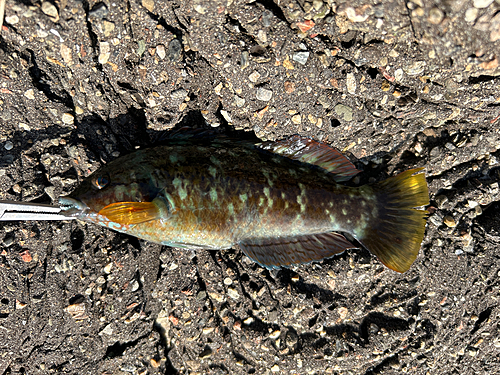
[289,251]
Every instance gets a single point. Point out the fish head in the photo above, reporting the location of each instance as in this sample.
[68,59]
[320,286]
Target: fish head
[122,180]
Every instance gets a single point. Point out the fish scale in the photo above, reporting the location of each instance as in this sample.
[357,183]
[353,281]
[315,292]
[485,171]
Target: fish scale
[281,202]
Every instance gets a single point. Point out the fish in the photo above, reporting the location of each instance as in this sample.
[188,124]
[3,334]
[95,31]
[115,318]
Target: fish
[283,203]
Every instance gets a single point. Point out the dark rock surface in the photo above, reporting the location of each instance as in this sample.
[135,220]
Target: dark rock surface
[395,85]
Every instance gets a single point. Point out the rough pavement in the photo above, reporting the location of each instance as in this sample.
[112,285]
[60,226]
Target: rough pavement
[394,85]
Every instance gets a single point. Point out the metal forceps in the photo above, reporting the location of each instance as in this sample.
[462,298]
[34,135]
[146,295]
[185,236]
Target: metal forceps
[15,211]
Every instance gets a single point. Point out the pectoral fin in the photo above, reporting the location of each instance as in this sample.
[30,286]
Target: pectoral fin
[128,213]
[289,251]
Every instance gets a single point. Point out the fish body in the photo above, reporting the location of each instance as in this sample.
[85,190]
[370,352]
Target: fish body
[281,202]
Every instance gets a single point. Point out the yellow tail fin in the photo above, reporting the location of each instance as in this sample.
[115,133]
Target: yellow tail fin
[397,233]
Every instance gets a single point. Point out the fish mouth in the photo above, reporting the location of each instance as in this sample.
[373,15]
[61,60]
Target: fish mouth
[72,207]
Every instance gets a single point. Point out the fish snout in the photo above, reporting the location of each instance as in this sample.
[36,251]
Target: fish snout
[72,207]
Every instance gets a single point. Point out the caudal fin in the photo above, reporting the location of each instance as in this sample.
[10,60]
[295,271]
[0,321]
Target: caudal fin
[397,232]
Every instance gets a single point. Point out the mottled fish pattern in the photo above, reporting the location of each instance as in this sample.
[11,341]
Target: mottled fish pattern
[281,202]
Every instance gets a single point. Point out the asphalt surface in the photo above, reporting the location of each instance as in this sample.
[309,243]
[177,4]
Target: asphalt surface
[393,85]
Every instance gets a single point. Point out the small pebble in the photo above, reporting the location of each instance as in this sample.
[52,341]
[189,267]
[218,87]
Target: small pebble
[264,94]
[449,221]
[218,88]
[200,8]
[435,16]
[301,57]
[30,94]
[134,286]
[317,4]
[141,47]
[66,54]
[287,64]
[148,4]
[394,53]
[5,114]
[289,87]
[104,52]
[50,10]
[160,51]
[415,68]
[351,83]
[245,59]
[267,16]
[305,26]
[233,293]
[418,147]
[107,268]
[435,151]
[226,116]
[450,146]
[398,75]
[26,256]
[254,77]
[297,119]
[56,33]
[481,4]
[207,330]
[344,111]
[471,14]
[262,36]
[8,241]
[343,312]
[441,200]
[8,145]
[179,94]
[239,101]
[99,11]
[68,118]
[108,28]
[12,20]
[275,335]
[108,330]
[174,50]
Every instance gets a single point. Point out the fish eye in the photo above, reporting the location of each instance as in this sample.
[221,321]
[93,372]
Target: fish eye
[100,182]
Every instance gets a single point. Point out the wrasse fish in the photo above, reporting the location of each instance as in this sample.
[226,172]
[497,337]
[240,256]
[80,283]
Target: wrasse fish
[281,202]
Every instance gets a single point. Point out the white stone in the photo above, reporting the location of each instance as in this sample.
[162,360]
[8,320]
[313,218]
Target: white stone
[480,4]
[351,83]
[160,51]
[104,52]
[68,118]
[30,94]
[264,94]
[12,20]
[471,14]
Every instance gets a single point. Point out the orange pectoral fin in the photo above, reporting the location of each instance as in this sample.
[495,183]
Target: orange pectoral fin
[128,213]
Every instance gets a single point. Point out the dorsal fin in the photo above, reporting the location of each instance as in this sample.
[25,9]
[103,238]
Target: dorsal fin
[312,152]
